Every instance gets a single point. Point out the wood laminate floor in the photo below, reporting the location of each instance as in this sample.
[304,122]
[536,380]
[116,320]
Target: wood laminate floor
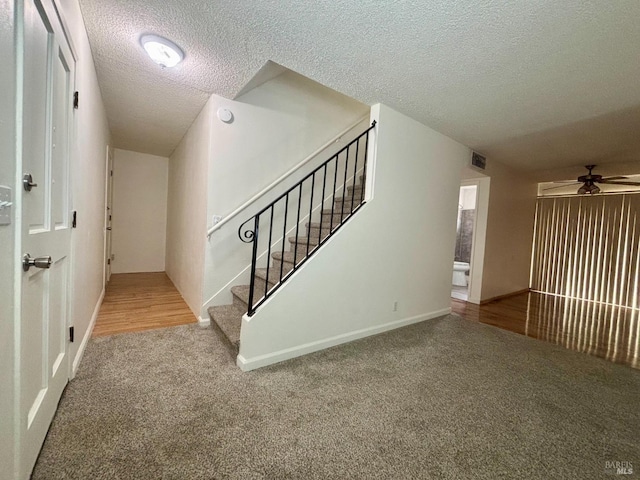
[135,302]
[603,330]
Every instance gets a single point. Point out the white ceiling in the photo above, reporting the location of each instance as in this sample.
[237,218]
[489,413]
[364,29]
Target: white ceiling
[535,84]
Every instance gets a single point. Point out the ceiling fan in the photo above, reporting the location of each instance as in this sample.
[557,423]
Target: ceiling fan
[589,182]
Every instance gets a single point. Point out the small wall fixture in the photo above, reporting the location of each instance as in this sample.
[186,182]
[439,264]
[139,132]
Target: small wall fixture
[162,51]
[225,115]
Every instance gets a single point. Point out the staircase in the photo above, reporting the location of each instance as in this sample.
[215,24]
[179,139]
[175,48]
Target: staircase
[227,319]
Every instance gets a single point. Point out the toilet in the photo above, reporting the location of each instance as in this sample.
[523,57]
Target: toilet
[459,273]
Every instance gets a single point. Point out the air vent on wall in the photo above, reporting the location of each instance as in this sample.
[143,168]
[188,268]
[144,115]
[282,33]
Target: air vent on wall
[478,160]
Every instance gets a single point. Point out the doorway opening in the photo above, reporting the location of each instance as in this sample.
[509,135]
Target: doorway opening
[465,226]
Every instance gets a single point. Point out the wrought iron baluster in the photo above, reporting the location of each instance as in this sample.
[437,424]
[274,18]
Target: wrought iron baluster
[333,198]
[295,246]
[355,172]
[254,258]
[313,186]
[344,182]
[284,232]
[251,235]
[324,184]
[366,154]
[266,282]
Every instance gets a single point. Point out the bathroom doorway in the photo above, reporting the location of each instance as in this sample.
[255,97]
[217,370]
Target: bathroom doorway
[465,226]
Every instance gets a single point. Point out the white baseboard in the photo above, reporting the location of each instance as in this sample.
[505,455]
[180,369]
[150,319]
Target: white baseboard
[248,364]
[87,336]
[204,322]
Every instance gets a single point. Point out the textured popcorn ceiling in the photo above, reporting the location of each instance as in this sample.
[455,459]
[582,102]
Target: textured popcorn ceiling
[536,84]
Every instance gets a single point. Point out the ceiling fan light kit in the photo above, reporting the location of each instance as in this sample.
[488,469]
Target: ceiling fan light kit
[589,181]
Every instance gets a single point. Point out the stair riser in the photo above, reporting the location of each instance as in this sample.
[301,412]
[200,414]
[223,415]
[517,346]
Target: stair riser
[238,302]
[338,217]
[302,250]
[348,209]
[287,267]
[356,197]
[357,191]
[302,241]
[260,284]
[314,232]
[347,206]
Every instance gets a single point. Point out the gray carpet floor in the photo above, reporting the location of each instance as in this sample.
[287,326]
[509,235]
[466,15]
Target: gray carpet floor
[445,399]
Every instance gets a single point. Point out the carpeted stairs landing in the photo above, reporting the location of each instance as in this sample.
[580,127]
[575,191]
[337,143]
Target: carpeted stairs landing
[227,319]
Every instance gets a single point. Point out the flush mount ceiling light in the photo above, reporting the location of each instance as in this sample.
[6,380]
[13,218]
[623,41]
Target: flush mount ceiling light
[162,51]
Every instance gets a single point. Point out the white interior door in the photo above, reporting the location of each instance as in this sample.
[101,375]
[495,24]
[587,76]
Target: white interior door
[109,214]
[46,225]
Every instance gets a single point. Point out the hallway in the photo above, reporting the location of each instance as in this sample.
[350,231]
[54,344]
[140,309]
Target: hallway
[135,302]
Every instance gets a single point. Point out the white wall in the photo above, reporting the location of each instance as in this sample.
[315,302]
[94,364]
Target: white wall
[398,248]
[509,231]
[187,209]
[91,136]
[7,232]
[276,126]
[139,220]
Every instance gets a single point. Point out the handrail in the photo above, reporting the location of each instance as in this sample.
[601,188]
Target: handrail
[329,183]
[282,177]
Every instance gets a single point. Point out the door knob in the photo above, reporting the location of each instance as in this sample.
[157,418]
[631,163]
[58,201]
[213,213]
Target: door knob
[27,182]
[38,262]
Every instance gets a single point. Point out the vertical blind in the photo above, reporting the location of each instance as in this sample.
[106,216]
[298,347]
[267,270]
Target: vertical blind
[588,248]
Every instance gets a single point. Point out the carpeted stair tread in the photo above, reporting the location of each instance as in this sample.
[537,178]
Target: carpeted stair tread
[228,318]
[287,257]
[349,199]
[325,226]
[337,211]
[242,292]
[302,241]
[338,215]
[274,276]
[317,225]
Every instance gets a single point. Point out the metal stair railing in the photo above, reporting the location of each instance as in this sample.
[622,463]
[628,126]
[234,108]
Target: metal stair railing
[325,180]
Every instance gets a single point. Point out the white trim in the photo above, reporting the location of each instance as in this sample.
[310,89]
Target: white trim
[284,176]
[87,336]
[106,221]
[204,322]
[288,353]
[478,242]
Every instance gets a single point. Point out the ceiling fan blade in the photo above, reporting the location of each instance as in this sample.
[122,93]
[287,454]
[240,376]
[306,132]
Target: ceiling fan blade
[562,186]
[619,183]
[603,179]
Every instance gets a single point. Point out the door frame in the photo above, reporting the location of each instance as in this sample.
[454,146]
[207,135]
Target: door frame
[53,11]
[108,202]
[479,236]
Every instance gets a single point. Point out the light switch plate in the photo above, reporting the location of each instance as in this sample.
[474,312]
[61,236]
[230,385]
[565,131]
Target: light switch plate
[5,205]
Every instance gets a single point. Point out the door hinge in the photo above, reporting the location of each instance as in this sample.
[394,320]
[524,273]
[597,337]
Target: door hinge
[74,219]
[71,334]
[108,261]
[75,100]
[111,173]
